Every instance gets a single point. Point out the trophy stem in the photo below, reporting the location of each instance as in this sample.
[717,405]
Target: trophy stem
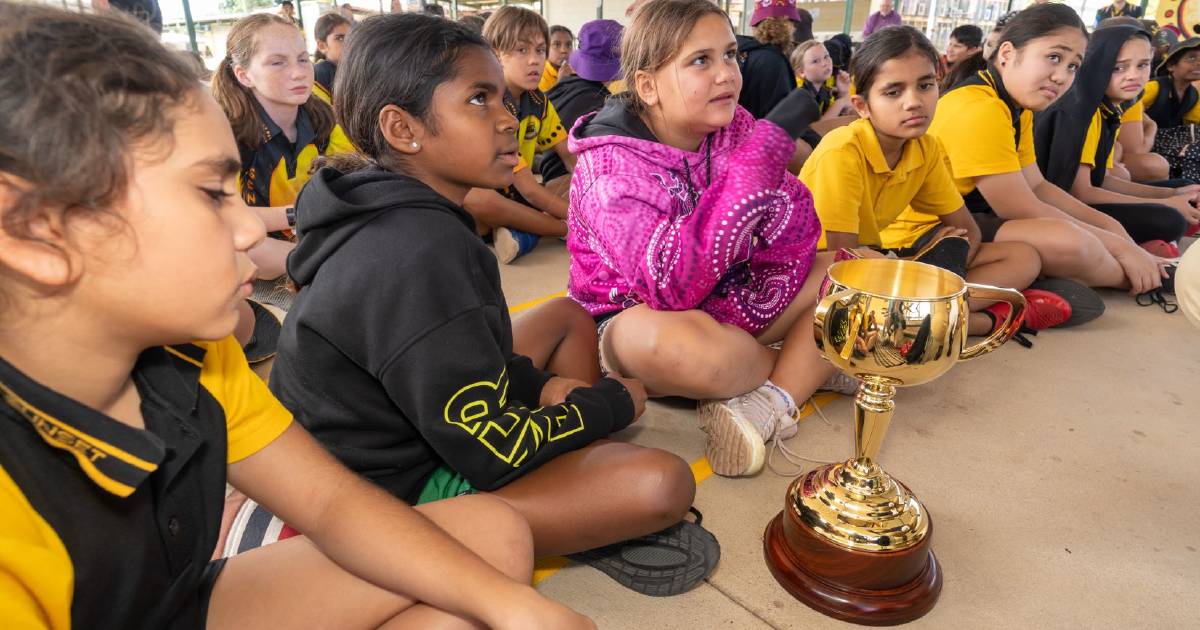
[873,408]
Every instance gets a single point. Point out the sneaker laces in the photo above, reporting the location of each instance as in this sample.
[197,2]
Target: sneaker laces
[777,445]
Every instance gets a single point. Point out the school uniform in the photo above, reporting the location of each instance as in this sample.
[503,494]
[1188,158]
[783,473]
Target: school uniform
[1167,108]
[104,525]
[855,191]
[823,94]
[984,132]
[274,172]
[538,129]
[325,72]
[1081,128]
[549,77]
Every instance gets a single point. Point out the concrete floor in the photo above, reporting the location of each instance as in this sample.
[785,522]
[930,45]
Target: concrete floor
[1062,481]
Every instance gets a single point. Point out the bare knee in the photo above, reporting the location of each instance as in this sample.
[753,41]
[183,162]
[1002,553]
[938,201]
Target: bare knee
[509,544]
[701,355]
[661,487]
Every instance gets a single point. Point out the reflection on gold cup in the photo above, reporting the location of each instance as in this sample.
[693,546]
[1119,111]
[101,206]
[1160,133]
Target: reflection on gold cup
[852,541]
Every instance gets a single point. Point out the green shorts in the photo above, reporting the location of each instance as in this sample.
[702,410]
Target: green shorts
[444,483]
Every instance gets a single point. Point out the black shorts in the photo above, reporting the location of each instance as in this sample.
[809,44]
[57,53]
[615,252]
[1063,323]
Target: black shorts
[208,579]
[987,219]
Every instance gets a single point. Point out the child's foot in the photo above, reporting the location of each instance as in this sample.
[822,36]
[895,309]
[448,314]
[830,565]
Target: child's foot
[1085,303]
[512,244]
[738,428]
[841,383]
[1043,310]
[1161,248]
[661,564]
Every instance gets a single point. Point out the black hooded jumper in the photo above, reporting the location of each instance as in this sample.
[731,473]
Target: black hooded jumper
[767,75]
[1061,131]
[397,354]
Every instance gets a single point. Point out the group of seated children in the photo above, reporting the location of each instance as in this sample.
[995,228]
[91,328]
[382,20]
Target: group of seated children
[400,379]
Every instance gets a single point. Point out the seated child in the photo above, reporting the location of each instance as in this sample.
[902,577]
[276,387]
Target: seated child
[1172,101]
[265,84]
[562,42]
[985,125]
[767,76]
[691,244]
[399,354]
[596,66]
[864,175]
[965,40]
[814,67]
[330,32]
[1075,137]
[520,213]
[125,405]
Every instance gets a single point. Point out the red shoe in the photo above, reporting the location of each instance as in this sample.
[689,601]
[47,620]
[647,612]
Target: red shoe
[1161,248]
[1043,310]
[1192,230]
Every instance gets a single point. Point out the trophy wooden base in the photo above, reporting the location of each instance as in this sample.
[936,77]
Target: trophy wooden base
[863,587]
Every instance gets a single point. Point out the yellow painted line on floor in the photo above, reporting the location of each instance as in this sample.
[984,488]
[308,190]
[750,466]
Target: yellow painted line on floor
[701,470]
[532,303]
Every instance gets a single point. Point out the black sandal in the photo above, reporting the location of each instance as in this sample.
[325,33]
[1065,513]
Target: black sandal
[662,564]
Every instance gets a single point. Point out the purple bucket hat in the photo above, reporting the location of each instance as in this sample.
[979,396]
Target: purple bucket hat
[598,57]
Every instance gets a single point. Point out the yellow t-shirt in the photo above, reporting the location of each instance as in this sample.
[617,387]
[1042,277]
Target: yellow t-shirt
[855,191]
[1192,117]
[549,77]
[975,128]
[1091,143]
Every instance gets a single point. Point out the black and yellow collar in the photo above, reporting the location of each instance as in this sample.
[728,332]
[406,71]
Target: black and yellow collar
[116,456]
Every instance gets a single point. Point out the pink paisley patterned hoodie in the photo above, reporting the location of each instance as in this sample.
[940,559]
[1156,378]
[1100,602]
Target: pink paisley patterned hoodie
[725,229]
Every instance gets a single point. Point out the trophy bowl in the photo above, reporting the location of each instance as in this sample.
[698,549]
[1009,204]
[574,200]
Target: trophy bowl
[852,542]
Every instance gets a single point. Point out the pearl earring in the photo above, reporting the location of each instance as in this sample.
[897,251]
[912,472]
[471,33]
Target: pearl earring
[416,146]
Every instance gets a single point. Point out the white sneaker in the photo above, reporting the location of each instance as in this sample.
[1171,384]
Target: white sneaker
[739,428]
[841,383]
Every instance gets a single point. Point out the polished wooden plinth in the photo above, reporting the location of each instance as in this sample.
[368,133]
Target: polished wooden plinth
[863,587]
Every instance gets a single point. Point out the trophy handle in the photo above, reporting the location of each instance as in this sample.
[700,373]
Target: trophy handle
[821,325]
[1011,324]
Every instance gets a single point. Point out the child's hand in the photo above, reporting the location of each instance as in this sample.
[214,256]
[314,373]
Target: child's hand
[637,392]
[842,83]
[555,391]
[537,611]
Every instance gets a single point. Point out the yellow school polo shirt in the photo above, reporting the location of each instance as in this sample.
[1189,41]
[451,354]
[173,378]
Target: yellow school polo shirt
[538,127]
[549,77]
[104,525]
[1134,113]
[855,191]
[1091,142]
[1191,117]
[976,130]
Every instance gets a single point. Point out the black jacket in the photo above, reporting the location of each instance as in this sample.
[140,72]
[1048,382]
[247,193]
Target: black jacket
[572,97]
[767,76]
[1059,132]
[397,353]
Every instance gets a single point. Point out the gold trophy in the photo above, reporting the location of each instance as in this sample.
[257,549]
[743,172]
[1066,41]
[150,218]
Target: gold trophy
[851,541]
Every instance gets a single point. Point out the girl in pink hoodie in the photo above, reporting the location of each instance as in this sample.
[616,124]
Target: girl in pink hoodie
[691,244]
